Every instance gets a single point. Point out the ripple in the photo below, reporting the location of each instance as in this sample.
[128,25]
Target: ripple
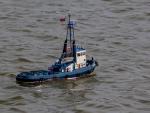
[20,30]
[147,14]
[137,17]
[117,43]
[144,101]
[121,70]
[20,49]
[17,110]
[51,56]
[12,101]
[8,74]
[116,33]
[23,60]
[123,10]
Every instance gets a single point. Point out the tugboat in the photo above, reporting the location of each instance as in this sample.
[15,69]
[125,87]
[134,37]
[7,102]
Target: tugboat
[71,64]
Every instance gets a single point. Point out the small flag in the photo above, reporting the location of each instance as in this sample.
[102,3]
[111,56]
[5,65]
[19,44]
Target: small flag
[72,23]
[62,19]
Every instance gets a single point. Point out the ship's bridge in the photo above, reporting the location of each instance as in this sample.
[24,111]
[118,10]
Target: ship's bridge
[80,57]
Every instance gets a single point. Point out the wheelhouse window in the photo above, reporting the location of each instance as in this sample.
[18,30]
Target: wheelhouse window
[78,54]
[83,53]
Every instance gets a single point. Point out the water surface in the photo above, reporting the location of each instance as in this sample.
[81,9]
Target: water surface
[116,33]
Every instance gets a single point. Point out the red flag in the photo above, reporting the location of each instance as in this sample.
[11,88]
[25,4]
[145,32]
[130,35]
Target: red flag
[62,19]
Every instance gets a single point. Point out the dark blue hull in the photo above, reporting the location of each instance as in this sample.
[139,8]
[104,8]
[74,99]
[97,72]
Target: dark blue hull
[44,75]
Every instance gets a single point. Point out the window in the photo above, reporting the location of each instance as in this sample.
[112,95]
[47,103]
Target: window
[83,53]
[78,54]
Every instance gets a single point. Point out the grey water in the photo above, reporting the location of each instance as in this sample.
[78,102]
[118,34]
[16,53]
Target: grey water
[116,33]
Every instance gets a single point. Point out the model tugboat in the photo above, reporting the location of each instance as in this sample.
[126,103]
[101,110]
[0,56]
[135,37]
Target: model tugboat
[71,64]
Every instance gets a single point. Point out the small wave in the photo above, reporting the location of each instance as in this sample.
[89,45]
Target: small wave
[16,98]
[145,66]
[122,10]
[11,87]
[108,0]
[17,110]
[117,43]
[144,101]
[19,30]
[147,14]
[11,101]
[7,74]
[45,37]
[120,70]
[20,49]
[136,17]
[1,51]
[3,18]
[23,60]
[51,56]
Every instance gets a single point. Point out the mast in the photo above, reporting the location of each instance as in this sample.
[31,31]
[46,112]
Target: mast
[70,28]
[69,49]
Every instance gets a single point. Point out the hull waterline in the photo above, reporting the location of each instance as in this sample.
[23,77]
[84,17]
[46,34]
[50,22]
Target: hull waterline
[44,75]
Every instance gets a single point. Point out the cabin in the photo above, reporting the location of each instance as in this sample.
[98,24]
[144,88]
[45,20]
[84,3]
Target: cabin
[80,58]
